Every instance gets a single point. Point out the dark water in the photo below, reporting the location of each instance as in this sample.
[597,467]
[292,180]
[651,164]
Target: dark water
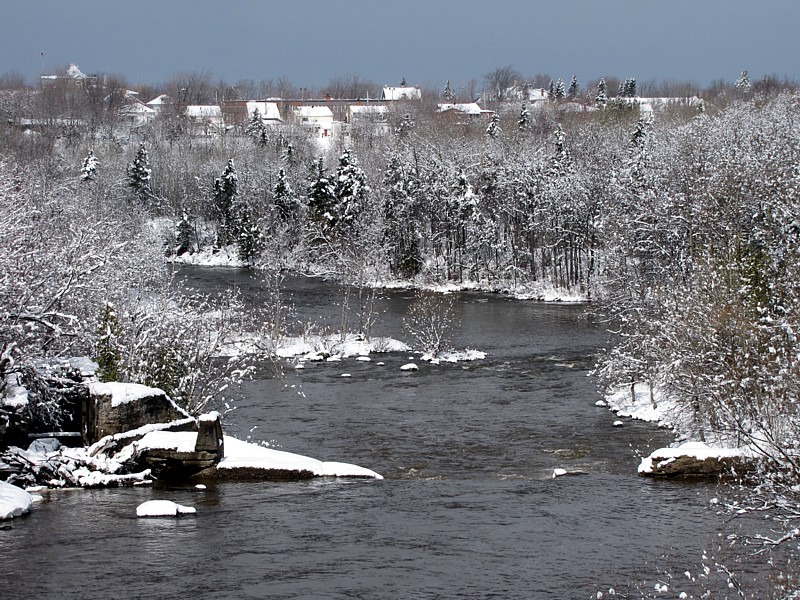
[468,507]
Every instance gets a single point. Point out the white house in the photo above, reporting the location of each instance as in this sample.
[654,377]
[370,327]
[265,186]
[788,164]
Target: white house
[464,113]
[136,113]
[159,103]
[393,94]
[270,114]
[206,119]
[369,118]
[319,119]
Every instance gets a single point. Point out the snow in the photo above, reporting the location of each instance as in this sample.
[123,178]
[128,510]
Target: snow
[698,450]
[163,508]
[15,394]
[409,367]
[123,393]
[14,501]
[239,454]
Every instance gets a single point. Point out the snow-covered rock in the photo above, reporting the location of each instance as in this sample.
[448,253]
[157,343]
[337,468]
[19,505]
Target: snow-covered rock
[163,508]
[409,367]
[695,459]
[14,501]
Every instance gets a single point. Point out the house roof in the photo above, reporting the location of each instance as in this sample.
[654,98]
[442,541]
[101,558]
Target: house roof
[401,93]
[313,112]
[470,108]
[268,110]
[160,100]
[369,109]
[204,111]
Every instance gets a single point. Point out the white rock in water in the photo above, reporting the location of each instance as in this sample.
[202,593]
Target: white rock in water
[409,367]
[601,403]
[163,508]
[364,358]
[380,364]
[618,423]
[346,375]
[200,487]
[559,472]
[299,366]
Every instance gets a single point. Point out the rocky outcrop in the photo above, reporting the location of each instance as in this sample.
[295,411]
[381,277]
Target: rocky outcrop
[120,407]
[697,460]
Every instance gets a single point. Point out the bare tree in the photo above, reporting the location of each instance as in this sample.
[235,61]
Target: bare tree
[500,80]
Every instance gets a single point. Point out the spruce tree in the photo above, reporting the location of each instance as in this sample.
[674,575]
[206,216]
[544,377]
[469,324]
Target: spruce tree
[250,240]
[574,88]
[184,236]
[321,196]
[89,168]
[138,174]
[559,89]
[524,122]
[493,130]
[256,128]
[225,189]
[743,83]
[601,98]
[284,199]
[447,93]
[351,190]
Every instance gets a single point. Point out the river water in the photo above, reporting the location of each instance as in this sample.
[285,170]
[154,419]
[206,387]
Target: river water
[468,507]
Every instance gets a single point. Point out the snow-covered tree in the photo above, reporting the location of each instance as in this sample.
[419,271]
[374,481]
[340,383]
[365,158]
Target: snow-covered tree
[743,84]
[250,240]
[601,97]
[559,91]
[185,237]
[321,196]
[574,88]
[350,189]
[284,198]
[493,130]
[524,121]
[256,129]
[406,126]
[447,93]
[225,190]
[89,168]
[139,173]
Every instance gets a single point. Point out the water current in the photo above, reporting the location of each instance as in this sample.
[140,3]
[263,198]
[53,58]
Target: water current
[468,507]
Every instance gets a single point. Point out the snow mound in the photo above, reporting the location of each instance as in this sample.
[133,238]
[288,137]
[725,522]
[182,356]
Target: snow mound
[697,450]
[409,367]
[123,393]
[163,508]
[14,501]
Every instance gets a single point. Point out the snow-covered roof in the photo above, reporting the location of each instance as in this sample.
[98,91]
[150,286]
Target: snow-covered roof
[73,72]
[369,109]
[313,112]
[401,93]
[204,111]
[160,100]
[470,108]
[268,110]
[137,108]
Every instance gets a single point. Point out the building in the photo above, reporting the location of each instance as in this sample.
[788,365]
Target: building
[318,119]
[205,119]
[394,94]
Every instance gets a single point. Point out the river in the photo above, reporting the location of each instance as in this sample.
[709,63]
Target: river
[468,507]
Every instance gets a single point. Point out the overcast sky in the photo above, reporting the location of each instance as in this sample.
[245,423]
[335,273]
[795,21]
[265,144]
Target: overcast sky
[425,41]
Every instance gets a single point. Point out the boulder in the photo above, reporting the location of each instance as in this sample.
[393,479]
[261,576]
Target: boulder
[695,459]
[120,407]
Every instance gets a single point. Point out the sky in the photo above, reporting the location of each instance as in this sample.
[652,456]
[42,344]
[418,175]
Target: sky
[427,42]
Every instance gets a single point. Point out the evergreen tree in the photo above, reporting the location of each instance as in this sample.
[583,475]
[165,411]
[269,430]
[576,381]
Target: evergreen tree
[406,125]
[256,128]
[447,93]
[551,89]
[350,189]
[107,352]
[250,240]
[284,199]
[321,196]
[138,174]
[574,88]
[184,236]
[743,83]
[524,122]
[493,130]
[601,97]
[401,235]
[559,89]
[89,168]
[403,82]
[561,157]
[225,189]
